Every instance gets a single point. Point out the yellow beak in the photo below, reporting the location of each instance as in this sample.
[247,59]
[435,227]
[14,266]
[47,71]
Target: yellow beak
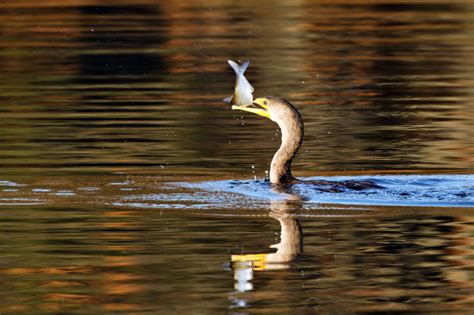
[263,111]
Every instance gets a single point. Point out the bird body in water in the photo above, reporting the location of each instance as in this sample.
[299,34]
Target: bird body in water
[291,125]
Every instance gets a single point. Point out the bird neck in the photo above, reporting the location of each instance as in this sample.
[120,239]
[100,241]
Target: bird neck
[291,139]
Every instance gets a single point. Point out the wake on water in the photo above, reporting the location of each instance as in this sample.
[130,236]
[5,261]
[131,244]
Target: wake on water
[397,190]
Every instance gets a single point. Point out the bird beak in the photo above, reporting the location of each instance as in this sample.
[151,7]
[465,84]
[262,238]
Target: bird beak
[262,110]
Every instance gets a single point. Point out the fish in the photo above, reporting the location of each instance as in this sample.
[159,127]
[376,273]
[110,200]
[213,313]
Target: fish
[243,90]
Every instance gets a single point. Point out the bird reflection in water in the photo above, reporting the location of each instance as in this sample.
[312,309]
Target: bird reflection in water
[287,250]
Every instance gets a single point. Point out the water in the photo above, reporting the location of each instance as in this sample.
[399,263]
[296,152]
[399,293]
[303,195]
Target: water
[397,190]
[127,186]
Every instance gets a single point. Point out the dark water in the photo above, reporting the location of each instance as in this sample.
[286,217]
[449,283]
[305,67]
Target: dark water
[127,186]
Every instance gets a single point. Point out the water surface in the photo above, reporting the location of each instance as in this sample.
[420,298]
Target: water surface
[127,186]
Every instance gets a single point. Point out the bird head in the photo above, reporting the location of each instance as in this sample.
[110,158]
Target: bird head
[259,107]
[274,108]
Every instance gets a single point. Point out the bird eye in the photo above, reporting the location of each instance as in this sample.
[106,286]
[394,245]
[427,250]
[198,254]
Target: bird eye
[265,102]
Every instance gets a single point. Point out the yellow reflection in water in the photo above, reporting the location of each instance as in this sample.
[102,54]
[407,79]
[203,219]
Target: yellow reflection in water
[287,250]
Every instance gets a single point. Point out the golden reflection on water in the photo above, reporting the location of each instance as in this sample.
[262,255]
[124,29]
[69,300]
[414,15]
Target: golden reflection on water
[287,250]
[402,269]
[122,88]
[137,88]
[410,260]
[138,260]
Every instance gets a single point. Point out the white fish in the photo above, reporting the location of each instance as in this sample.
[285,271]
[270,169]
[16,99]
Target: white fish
[243,90]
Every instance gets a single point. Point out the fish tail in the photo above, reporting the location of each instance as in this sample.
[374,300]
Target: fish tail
[244,66]
[239,69]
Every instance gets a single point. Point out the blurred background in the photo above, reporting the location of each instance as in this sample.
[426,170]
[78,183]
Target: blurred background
[103,87]
[104,102]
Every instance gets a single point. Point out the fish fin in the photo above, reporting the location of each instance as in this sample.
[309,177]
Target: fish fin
[239,69]
[228,99]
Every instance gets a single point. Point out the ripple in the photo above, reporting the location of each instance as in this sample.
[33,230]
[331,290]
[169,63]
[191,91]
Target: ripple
[19,201]
[398,190]
[7,183]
